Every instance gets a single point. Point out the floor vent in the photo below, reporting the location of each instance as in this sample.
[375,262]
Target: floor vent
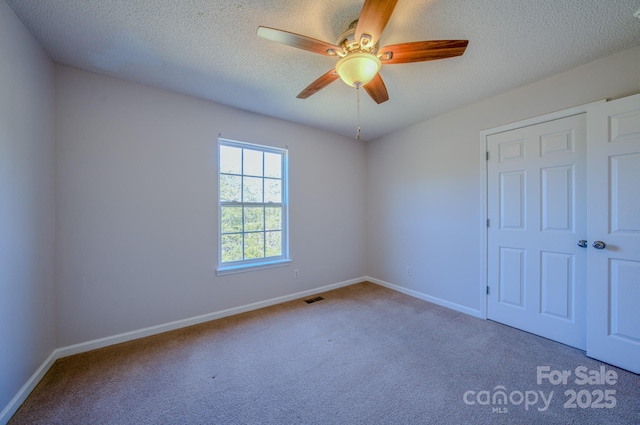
[312,300]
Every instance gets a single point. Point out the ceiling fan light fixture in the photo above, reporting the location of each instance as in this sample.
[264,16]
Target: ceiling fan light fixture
[358,68]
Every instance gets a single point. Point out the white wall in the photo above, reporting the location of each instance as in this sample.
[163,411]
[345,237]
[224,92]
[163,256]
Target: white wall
[26,206]
[137,207]
[424,182]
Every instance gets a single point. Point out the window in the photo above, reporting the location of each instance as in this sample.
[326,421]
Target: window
[252,199]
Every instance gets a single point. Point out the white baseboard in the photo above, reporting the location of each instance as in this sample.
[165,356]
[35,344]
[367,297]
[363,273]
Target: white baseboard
[153,330]
[429,298]
[11,408]
[82,347]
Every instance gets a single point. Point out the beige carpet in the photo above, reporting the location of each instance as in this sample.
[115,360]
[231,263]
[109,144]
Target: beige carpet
[363,355]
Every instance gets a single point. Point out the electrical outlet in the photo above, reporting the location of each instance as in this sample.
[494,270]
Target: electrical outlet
[407,271]
[296,274]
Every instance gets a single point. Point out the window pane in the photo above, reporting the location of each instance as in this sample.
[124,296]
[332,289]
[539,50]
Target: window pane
[252,163]
[231,219]
[252,189]
[273,218]
[274,244]
[272,191]
[272,165]
[254,245]
[231,248]
[253,219]
[230,188]
[230,160]
[252,207]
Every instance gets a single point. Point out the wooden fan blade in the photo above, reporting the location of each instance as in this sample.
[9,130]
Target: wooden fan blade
[298,41]
[377,90]
[420,51]
[319,84]
[373,18]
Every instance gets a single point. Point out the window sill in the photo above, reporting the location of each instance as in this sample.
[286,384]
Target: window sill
[241,268]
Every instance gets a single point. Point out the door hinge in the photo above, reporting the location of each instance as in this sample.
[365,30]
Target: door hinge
[487,289]
[488,223]
[487,155]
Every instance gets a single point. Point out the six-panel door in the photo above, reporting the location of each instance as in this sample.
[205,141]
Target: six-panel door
[536,204]
[613,318]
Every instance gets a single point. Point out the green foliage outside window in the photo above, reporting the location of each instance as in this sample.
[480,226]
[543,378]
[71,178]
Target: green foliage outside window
[251,204]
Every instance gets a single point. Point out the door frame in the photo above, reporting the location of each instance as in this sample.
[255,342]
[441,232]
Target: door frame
[484,134]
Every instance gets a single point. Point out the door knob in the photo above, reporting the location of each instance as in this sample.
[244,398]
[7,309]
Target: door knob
[599,245]
[582,243]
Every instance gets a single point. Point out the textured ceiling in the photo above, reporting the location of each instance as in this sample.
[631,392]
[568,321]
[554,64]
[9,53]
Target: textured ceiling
[209,49]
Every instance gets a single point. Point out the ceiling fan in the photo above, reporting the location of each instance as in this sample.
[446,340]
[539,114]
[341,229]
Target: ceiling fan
[360,57]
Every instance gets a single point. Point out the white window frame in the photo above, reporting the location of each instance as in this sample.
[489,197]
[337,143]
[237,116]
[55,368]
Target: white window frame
[256,263]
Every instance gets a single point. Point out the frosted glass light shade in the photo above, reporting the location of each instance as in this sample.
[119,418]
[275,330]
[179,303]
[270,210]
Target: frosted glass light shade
[358,68]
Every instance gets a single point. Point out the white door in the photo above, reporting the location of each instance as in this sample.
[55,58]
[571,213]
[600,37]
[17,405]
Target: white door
[536,183]
[613,204]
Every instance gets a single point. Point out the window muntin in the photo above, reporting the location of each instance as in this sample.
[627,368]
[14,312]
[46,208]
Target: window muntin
[252,199]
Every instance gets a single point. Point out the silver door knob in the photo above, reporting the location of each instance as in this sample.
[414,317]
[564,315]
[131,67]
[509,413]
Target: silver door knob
[599,245]
[582,243]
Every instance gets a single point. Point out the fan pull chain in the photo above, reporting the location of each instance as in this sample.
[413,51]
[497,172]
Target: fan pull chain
[358,110]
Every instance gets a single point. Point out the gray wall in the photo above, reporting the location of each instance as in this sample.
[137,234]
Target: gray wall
[136,217]
[424,206]
[27,333]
